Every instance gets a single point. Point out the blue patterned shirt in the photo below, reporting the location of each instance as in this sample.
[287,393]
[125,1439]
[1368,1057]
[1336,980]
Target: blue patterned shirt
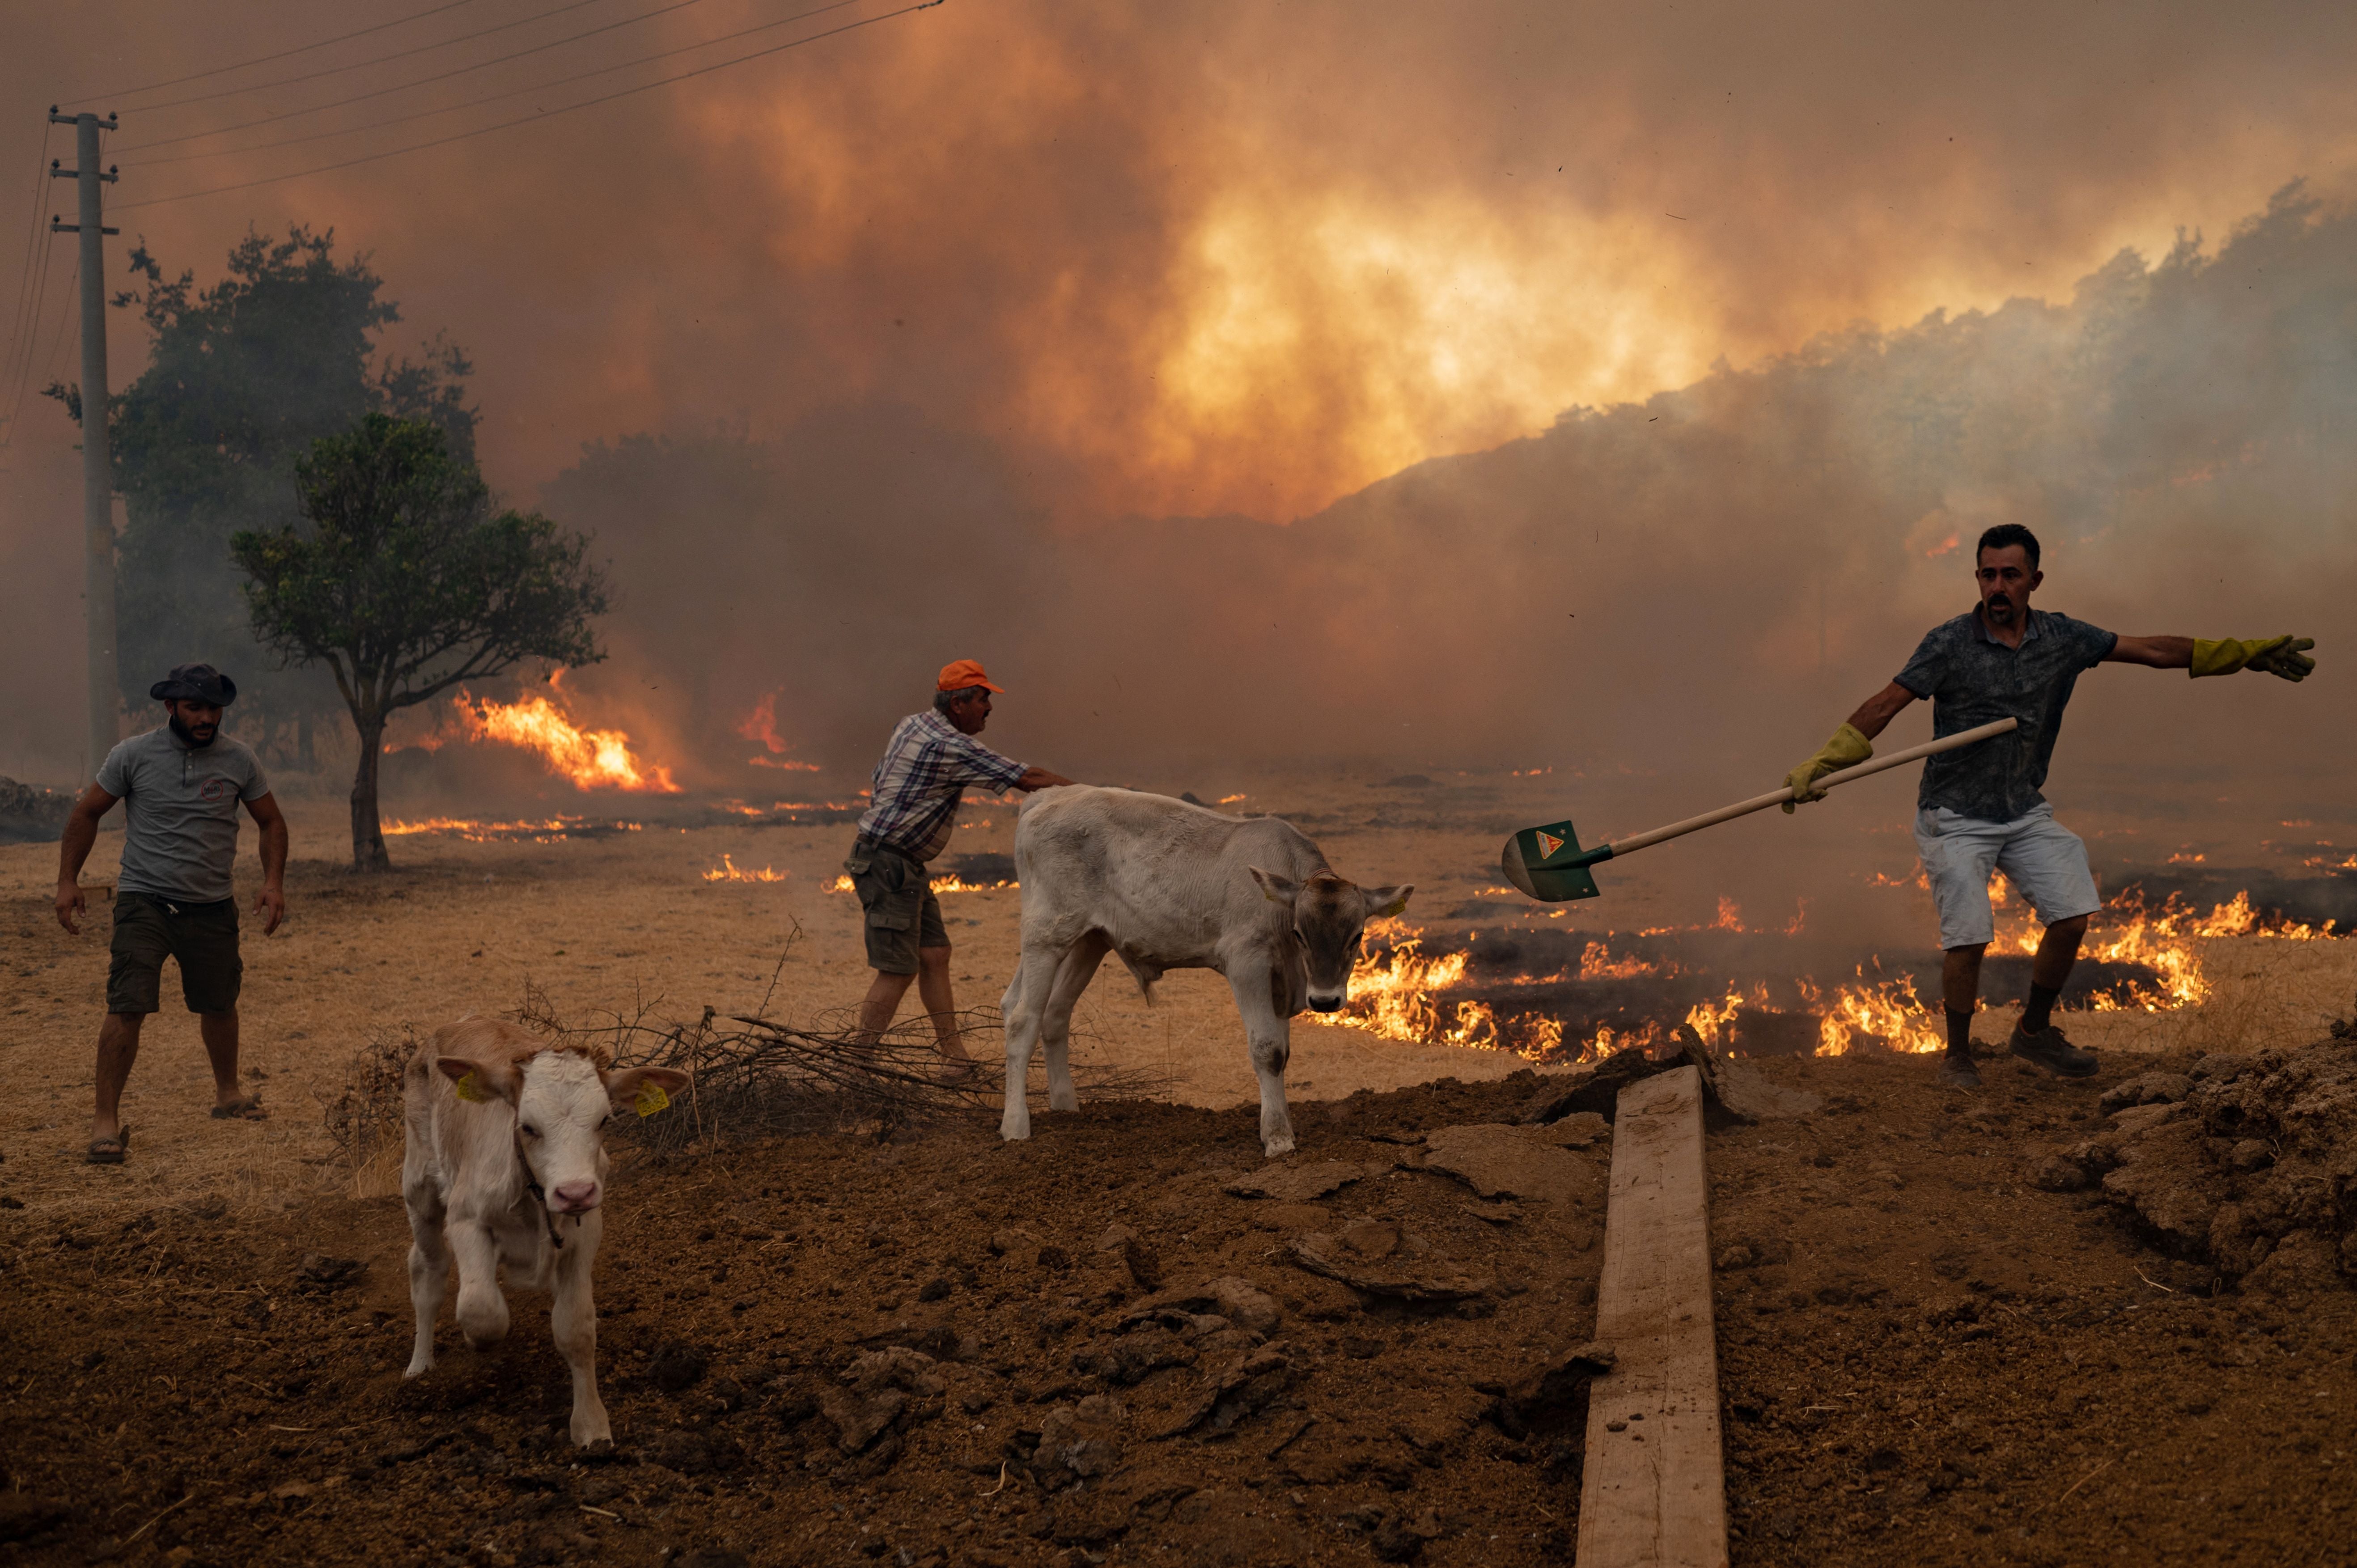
[1973,680]
[923,776]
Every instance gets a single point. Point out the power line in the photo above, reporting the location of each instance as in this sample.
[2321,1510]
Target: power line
[380,60]
[282,54]
[32,286]
[472,102]
[57,343]
[32,238]
[444,75]
[32,355]
[544,114]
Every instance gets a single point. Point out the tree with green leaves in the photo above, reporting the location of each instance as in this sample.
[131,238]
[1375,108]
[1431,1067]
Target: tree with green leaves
[241,378]
[406,582]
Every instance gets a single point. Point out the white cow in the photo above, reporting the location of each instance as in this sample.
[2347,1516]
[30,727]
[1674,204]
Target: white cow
[505,1165]
[1166,885]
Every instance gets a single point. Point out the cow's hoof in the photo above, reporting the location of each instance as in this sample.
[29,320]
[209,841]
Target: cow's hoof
[417,1369]
[1277,1147]
[588,1429]
[1015,1134]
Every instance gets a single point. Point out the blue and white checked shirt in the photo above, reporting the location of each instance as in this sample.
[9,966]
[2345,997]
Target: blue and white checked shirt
[918,784]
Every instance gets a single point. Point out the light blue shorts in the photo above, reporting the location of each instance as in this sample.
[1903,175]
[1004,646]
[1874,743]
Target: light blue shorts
[2046,862]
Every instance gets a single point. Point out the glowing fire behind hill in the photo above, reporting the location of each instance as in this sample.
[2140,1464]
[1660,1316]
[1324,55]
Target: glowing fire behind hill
[590,758]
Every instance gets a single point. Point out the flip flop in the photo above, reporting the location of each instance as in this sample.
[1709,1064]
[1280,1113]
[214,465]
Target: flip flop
[246,1110]
[110,1150]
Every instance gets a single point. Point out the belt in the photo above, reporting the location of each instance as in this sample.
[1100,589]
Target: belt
[181,905]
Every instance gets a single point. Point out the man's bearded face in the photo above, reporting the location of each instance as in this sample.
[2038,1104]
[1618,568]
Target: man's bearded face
[194,723]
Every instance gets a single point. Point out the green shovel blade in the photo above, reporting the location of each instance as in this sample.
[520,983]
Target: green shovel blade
[1547,864]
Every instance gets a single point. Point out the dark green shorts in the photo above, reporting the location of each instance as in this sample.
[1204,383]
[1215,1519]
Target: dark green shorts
[902,913]
[201,937]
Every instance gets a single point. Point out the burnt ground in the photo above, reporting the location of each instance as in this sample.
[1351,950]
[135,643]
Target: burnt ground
[832,1350]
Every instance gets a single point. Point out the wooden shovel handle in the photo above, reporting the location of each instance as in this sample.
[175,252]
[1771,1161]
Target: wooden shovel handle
[1762,802]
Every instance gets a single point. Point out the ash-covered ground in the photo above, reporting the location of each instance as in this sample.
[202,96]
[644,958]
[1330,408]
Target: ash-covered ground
[1125,1342]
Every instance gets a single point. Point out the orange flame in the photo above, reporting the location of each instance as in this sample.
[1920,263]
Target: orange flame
[941,884]
[1597,962]
[547,832]
[761,724]
[592,759]
[1399,994]
[727,872]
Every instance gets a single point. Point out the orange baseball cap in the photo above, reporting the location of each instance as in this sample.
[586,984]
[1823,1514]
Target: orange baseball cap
[958,674]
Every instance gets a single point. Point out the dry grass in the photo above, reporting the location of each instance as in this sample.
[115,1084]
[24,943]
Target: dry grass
[627,925]
[2264,993]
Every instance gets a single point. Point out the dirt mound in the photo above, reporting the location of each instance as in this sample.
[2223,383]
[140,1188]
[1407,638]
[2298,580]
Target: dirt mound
[2247,1165]
[28,815]
[1126,1341]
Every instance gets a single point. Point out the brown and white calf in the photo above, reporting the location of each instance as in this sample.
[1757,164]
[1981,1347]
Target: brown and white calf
[1163,885]
[505,1165]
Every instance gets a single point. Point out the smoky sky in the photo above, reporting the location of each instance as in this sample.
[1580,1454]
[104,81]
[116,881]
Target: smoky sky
[948,321]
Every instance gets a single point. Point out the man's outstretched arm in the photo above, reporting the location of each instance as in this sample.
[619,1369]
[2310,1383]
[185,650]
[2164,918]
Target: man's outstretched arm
[2159,652]
[2285,656]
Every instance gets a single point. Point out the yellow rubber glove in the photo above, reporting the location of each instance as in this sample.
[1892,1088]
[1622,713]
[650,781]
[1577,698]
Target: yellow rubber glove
[2284,656]
[1847,748]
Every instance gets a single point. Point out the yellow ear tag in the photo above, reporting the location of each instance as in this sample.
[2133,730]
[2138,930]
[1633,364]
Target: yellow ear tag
[650,1100]
[468,1089]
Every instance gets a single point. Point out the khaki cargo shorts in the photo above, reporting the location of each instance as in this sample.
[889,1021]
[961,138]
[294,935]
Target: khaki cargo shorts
[902,913]
[2044,860]
[202,937]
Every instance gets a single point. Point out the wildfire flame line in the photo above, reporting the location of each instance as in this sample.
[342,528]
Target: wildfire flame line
[1396,994]
[941,884]
[549,831]
[727,872]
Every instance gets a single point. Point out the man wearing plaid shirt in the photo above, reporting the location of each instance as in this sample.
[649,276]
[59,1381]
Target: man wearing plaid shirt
[932,758]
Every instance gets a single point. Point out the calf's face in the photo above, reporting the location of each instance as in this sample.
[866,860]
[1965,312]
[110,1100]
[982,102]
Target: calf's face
[561,1103]
[1329,914]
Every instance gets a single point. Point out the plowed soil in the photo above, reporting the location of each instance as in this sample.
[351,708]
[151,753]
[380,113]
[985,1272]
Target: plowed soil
[949,1351]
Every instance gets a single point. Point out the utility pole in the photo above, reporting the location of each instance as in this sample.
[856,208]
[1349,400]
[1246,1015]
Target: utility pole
[97,474]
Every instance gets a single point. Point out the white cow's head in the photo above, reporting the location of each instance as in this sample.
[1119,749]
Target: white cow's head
[562,1101]
[1330,913]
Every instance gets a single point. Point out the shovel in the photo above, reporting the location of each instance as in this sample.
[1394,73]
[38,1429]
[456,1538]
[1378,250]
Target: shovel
[1548,864]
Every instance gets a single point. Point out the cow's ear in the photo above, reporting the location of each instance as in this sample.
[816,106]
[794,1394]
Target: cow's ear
[481,1080]
[645,1090]
[1275,888]
[1384,902]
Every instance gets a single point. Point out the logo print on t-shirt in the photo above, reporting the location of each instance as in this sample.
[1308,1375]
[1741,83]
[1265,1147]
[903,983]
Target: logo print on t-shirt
[215,789]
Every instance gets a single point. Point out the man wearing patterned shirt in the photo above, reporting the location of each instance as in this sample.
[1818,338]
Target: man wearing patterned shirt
[1980,809]
[930,759]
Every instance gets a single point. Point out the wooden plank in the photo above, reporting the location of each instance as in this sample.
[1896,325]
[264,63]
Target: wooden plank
[1655,1493]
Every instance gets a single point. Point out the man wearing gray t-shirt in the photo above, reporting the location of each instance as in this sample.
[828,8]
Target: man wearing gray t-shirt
[182,786]
[1979,810]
